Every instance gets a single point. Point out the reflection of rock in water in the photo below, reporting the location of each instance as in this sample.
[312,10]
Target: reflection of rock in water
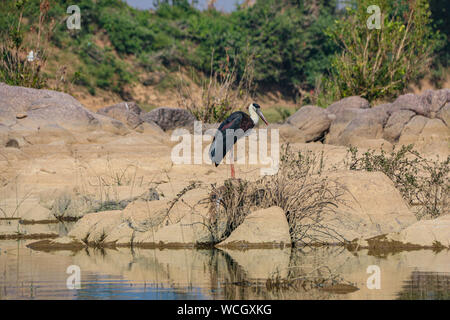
[426,286]
[64,227]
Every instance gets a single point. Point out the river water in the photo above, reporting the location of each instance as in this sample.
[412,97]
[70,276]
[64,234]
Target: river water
[222,274]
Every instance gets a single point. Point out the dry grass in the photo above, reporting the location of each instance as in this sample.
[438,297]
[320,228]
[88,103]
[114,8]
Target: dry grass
[222,94]
[299,188]
[15,67]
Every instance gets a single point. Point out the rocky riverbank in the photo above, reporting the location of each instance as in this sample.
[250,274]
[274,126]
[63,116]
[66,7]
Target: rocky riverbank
[111,171]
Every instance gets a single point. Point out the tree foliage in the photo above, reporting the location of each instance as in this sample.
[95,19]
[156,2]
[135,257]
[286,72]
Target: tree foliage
[379,63]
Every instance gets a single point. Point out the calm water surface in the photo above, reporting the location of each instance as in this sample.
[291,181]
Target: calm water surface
[217,274]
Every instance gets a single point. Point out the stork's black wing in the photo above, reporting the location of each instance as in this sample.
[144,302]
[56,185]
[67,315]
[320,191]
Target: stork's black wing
[224,140]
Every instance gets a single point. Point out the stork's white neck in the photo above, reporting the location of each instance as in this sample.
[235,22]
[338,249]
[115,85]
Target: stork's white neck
[253,115]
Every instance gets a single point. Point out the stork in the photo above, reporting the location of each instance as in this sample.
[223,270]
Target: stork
[236,126]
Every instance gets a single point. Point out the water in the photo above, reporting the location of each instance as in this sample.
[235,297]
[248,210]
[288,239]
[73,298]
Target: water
[215,274]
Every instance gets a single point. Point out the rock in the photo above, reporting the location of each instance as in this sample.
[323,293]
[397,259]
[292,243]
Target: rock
[428,104]
[341,121]
[422,234]
[368,125]
[312,121]
[436,128]
[436,99]
[126,112]
[411,102]
[396,123]
[4,134]
[412,130]
[151,128]
[444,114]
[262,228]
[428,233]
[28,210]
[99,231]
[288,133]
[93,228]
[369,206]
[168,118]
[150,195]
[71,206]
[46,107]
[142,215]
[36,213]
[351,126]
[148,223]
[434,138]
[179,235]
[354,102]
[50,133]
[120,235]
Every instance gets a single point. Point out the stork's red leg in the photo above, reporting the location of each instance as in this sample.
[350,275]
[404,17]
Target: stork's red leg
[233,173]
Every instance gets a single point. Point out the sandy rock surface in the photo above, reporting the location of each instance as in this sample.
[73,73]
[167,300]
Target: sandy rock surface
[262,228]
[60,161]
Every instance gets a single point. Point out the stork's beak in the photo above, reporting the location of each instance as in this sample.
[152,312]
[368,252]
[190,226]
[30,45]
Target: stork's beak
[260,114]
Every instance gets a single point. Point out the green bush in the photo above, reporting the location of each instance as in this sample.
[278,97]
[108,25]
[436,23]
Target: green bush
[379,63]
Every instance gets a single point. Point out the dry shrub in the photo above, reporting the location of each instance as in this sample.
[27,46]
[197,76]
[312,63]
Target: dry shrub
[299,188]
[423,183]
[222,94]
[17,67]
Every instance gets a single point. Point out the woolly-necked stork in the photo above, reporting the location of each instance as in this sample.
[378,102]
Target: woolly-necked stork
[236,126]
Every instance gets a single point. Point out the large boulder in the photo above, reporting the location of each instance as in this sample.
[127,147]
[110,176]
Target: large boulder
[341,121]
[444,114]
[396,123]
[287,133]
[428,104]
[168,118]
[25,111]
[412,130]
[94,227]
[149,222]
[369,206]
[368,125]
[354,102]
[401,122]
[262,228]
[126,112]
[312,121]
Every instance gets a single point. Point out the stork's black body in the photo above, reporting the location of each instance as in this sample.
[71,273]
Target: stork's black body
[237,120]
[236,126]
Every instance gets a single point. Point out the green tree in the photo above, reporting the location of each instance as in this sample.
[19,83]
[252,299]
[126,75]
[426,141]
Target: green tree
[379,63]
